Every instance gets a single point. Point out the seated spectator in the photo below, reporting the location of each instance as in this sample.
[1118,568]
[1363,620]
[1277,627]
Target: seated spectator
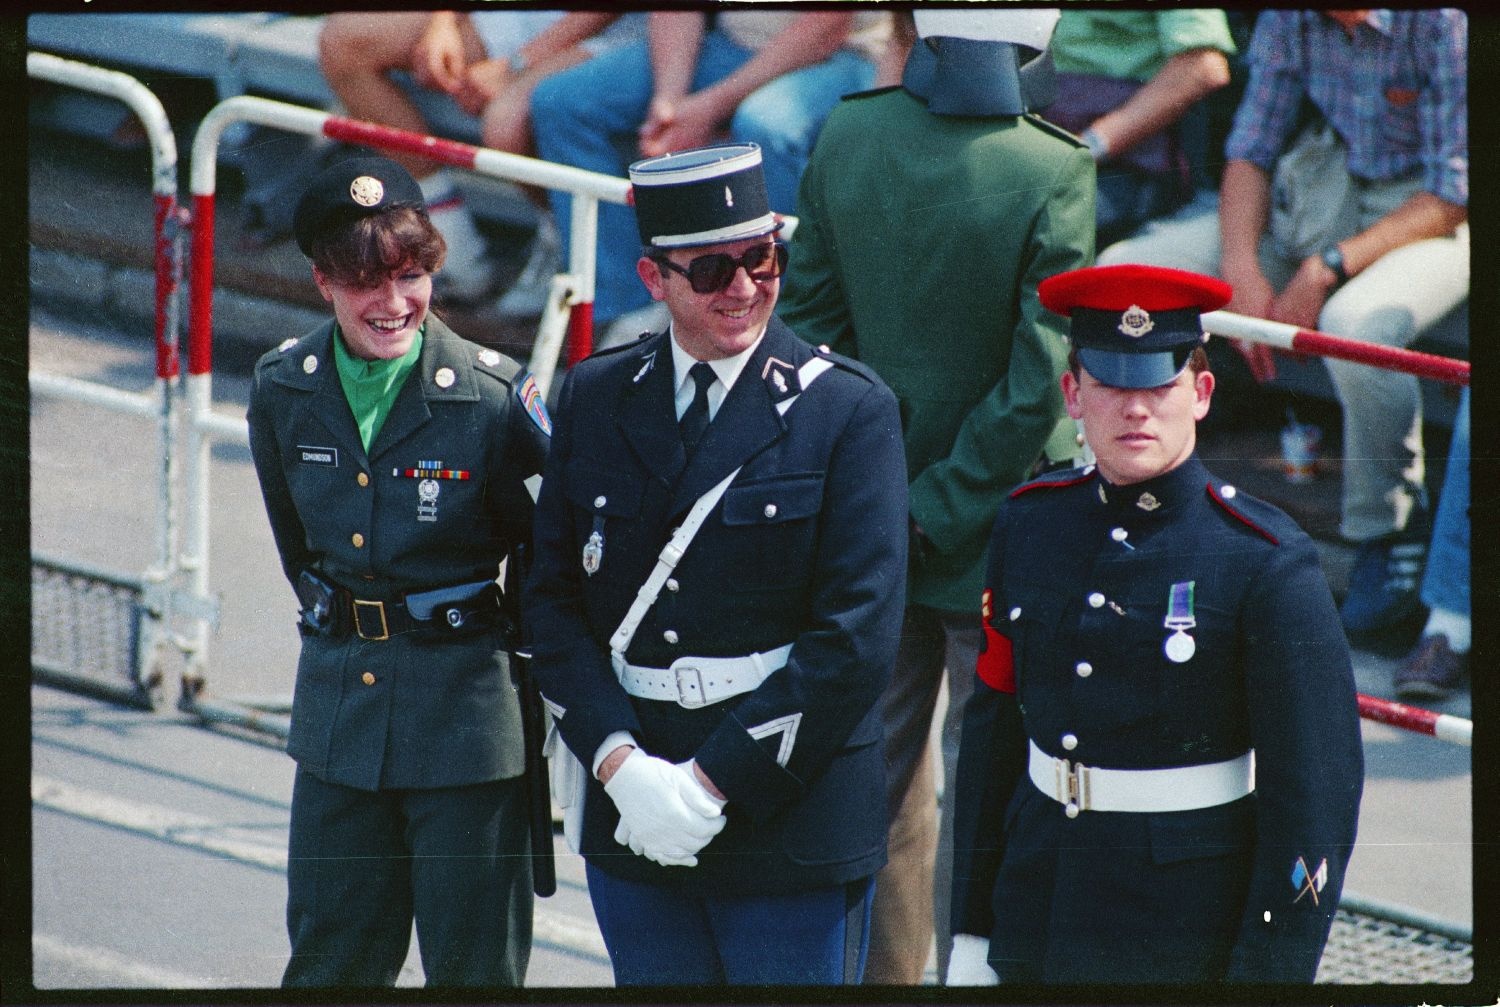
[1343,208]
[487,62]
[1125,82]
[1437,664]
[767,77]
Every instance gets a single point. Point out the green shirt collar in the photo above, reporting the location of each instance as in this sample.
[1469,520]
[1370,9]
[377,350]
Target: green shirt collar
[371,386]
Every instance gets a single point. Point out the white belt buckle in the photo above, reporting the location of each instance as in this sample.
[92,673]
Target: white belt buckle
[689,678]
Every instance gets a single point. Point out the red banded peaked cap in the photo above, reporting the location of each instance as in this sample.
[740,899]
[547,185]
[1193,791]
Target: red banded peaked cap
[1121,287]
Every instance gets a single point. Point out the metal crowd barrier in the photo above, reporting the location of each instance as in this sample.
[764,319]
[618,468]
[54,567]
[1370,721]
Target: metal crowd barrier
[145,603]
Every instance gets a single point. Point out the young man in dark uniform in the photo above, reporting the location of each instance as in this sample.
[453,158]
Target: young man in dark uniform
[392,456]
[1161,764]
[716,600]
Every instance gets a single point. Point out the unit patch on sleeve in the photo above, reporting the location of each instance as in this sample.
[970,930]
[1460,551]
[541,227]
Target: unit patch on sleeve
[532,401]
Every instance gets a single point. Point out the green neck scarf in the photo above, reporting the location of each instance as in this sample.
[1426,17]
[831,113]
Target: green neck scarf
[371,386]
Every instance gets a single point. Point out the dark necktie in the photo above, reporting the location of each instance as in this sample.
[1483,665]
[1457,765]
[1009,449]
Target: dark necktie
[695,418]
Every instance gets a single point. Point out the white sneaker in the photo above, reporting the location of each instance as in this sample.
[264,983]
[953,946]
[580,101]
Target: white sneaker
[629,326]
[527,297]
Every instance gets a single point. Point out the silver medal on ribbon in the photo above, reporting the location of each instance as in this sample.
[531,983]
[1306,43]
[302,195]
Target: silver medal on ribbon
[1180,647]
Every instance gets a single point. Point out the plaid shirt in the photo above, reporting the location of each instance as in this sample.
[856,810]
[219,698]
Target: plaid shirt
[1396,92]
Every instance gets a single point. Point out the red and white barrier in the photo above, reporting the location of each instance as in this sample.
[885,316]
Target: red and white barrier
[1458,730]
[168,218]
[1288,337]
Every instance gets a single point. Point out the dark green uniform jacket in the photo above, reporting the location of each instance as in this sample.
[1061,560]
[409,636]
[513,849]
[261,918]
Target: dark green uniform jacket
[920,244]
[417,710]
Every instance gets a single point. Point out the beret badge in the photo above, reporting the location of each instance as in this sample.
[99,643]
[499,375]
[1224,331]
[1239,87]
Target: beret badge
[366,190]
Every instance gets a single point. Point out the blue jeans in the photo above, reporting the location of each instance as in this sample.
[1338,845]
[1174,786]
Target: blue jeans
[670,936]
[1445,585]
[587,117]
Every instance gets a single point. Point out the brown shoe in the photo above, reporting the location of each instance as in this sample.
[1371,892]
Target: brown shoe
[1431,670]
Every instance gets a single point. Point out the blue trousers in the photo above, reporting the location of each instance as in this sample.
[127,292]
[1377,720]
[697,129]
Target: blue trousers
[587,117]
[659,935]
[1445,584]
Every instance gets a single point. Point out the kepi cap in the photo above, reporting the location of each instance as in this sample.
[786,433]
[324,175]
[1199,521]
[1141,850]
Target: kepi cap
[350,189]
[701,196]
[1134,326]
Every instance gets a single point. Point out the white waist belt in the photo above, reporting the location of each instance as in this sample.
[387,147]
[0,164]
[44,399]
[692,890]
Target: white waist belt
[700,681]
[1185,788]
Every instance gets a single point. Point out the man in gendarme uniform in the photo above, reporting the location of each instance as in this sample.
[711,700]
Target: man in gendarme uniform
[928,215]
[728,723]
[391,454]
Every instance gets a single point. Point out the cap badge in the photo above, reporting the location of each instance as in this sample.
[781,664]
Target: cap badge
[1147,502]
[366,190]
[444,377]
[1136,322]
[728,196]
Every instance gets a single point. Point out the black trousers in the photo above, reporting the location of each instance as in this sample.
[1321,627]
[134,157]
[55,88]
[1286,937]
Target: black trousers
[363,865]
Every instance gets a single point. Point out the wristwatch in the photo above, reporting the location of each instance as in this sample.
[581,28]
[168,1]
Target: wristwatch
[1334,260]
[517,62]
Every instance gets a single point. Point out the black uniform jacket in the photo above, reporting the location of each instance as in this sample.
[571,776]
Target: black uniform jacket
[420,709]
[807,547]
[1080,575]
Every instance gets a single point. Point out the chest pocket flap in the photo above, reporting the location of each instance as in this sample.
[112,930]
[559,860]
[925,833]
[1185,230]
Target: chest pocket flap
[774,500]
[605,491]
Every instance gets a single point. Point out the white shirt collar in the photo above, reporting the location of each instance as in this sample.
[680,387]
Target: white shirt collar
[727,370]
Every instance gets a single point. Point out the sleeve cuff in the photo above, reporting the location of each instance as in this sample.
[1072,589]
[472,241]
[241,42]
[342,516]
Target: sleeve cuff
[611,742]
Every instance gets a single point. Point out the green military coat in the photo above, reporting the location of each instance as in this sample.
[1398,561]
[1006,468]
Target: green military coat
[920,244]
[418,709]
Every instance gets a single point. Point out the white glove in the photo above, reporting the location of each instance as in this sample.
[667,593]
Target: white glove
[968,964]
[665,814]
[687,769]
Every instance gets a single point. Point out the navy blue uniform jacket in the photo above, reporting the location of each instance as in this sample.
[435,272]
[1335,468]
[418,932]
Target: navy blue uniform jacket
[1080,573]
[807,547]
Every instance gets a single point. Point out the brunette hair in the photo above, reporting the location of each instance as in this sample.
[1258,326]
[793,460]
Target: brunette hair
[364,251]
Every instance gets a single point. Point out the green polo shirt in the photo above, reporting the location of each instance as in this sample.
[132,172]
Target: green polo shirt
[371,386]
[1133,44]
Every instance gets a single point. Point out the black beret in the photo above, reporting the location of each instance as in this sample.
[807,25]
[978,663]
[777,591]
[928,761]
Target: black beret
[350,189]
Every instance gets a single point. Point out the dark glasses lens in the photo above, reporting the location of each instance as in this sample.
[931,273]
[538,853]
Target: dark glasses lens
[709,274]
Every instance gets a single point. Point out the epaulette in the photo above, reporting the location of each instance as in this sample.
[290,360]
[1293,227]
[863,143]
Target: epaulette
[1055,480]
[1054,129]
[1246,509]
[278,353]
[847,363]
[870,93]
[621,347]
[496,364]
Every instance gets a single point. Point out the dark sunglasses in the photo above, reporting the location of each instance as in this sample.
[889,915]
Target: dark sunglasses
[709,274]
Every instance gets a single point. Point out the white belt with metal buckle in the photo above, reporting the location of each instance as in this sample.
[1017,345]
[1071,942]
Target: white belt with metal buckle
[699,681]
[1184,788]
